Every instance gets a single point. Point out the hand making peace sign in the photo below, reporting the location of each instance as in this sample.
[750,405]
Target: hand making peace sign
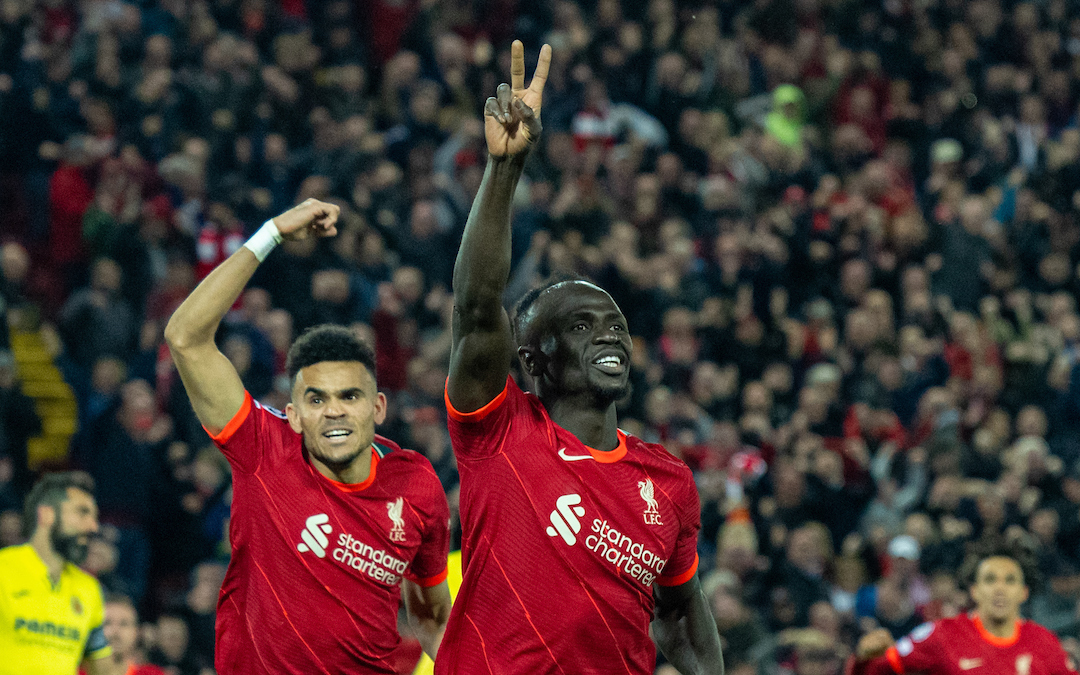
[512,116]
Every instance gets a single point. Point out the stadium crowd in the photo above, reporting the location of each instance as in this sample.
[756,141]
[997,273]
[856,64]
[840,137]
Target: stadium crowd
[845,235]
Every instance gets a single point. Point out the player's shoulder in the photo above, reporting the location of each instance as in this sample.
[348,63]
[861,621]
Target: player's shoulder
[1036,631]
[393,457]
[656,455]
[952,625]
[14,558]
[270,411]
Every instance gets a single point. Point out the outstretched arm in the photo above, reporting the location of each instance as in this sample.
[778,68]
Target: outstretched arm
[212,382]
[483,343]
[869,657]
[685,631]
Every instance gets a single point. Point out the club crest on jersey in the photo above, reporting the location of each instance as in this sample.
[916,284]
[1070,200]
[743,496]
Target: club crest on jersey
[76,605]
[652,509]
[1023,664]
[394,509]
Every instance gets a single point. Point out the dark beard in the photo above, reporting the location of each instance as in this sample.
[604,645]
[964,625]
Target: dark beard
[67,545]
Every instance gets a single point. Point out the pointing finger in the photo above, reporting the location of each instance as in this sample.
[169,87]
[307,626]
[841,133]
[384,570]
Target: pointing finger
[517,65]
[540,76]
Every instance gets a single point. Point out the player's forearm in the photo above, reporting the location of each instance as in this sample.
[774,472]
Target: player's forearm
[429,634]
[688,638]
[483,261]
[196,320]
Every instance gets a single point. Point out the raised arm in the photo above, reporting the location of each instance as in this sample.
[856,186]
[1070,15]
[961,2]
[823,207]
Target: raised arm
[212,383]
[483,343]
[685,631]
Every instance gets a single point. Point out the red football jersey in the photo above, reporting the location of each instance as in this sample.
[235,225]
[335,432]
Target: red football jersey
[313,585]
[962,646]
[561,545]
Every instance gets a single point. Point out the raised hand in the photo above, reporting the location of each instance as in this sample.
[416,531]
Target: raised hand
[310,217]
[873,644]
[512,116]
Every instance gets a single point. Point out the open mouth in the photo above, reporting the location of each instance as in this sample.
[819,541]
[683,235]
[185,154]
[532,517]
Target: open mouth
[337,435]
[610,364]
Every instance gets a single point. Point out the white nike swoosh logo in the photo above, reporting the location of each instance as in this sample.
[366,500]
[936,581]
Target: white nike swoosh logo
[968,664]
[572,458]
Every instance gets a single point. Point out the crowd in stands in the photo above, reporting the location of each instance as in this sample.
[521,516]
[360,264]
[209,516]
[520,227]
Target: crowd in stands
[845,235]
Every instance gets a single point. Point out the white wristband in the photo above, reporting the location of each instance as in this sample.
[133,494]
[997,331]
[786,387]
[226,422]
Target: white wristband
[264,240]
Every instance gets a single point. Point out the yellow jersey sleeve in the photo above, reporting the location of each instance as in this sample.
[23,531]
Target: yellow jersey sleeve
[97,647]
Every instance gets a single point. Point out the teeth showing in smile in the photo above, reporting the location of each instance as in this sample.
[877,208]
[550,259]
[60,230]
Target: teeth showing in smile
[608,361]
[337,433]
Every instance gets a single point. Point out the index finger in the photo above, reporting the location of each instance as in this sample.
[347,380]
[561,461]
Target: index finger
[517,65]
[542,65]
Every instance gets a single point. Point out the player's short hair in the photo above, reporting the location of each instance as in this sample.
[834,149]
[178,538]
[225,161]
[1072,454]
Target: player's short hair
[52,490]
[1018,550]
[522,318]
[328,342]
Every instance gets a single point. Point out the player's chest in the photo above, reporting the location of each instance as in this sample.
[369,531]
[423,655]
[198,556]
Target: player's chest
[981,658]
[372,535]
[615,518]
[58,617]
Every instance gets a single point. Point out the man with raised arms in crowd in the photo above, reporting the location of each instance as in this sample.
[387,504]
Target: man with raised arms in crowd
[576,537]
[330,522]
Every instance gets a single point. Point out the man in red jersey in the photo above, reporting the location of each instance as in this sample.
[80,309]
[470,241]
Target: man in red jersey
[329,521]
[577,539]
[991,640]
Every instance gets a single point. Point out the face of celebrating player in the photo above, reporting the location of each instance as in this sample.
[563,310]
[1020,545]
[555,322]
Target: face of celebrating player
[335,406]
[583,340]
[999,590]
[76,522]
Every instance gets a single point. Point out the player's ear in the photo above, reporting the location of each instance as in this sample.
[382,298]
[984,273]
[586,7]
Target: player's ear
[47,515]
[530,358]
[380,408]
[293,417]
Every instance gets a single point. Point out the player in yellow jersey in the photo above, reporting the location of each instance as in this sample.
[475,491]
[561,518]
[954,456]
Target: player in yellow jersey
[51,613]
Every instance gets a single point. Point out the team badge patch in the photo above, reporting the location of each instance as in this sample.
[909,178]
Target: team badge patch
[76,605]
[922,632]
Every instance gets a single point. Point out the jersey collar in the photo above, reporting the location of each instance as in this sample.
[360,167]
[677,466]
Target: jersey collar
[993,639]
[610,456]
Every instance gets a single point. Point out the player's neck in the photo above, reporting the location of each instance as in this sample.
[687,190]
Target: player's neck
[356,471]
[1002,628]
[54,562]
[123,664]
[595,428]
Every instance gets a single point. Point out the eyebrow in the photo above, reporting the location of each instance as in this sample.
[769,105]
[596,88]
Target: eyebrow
[342,392]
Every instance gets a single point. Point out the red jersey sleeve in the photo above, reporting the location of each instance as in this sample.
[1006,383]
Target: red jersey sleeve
[481,433]
[919,651]
[253,433]
[683,563]
[1053,654]
[428,566]
[876,666]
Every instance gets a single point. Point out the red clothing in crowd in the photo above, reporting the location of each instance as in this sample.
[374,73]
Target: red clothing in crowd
[70,195]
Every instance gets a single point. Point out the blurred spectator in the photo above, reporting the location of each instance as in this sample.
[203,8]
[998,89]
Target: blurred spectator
[19,421]
[122,632]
